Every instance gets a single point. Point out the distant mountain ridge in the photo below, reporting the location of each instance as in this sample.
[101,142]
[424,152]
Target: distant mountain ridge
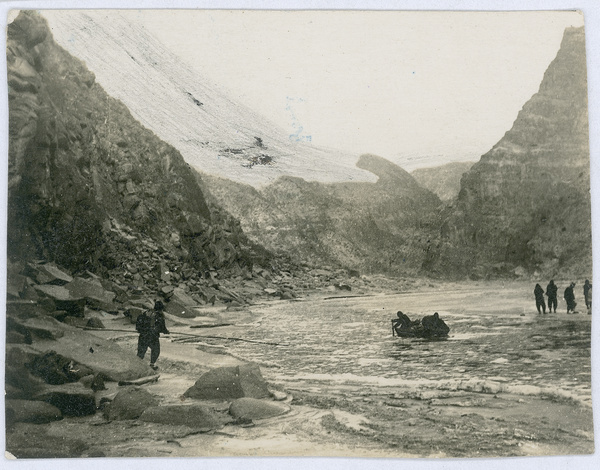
[212,132]
[443,180]
[387,226]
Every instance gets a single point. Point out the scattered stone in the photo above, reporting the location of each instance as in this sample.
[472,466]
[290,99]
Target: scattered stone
[344,287]
[77,322]
[95,323]
[63,299]
[49,274]
[252,408]
[180,296]
[94,382]
[287,295]
[133,313]
[16,285]
[140,381]
[129,404]
[93,292]
[277,395]
[41,327]
[230,382]
[179,310]
[167,291]
[17,332]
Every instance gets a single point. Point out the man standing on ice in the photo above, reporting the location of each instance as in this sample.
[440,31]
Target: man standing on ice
[150,325]
[538,292]
[552,293]
[570,298]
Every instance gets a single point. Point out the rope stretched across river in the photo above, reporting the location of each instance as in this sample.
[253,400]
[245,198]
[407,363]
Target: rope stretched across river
[229,338]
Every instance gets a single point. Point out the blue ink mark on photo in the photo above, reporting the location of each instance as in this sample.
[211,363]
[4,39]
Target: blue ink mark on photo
[296,136]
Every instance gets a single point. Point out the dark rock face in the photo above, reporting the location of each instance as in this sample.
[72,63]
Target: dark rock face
[90,187]
[230,382]
[385,226]
[526,203]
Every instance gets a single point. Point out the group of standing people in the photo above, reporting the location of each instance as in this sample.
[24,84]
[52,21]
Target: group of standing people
[569,296]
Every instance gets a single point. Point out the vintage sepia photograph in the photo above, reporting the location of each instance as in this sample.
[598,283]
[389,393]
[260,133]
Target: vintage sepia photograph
[297,233]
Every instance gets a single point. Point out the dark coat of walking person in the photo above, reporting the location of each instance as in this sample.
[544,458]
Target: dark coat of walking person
[539,299]
[570,298]
[552,293]
[150,325]
[590,299]
[587,294]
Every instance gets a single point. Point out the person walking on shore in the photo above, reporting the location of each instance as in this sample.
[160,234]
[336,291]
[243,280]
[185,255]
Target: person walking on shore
[552,293]
[538,292]
[570,298]
[587,294]
[150,325]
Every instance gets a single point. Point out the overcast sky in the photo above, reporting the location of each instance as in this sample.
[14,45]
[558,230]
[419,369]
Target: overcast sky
[404,85]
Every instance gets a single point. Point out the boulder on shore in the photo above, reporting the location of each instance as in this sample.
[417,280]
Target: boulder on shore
[228,383]
[71,399]
[129,404]
[30,411]
[192,416]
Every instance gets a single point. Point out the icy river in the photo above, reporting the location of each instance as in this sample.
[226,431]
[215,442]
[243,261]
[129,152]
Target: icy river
[497,340]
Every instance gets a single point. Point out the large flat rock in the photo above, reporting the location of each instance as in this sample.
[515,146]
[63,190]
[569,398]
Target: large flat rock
[100,355]
[30,411]
[252,408]
[193,416]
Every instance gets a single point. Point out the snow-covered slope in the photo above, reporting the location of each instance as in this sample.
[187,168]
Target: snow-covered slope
[212,132]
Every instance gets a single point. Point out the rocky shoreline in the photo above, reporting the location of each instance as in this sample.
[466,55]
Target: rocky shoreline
[66,335]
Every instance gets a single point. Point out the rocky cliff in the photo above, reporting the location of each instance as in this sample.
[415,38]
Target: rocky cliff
[90,188]
[443,180]
[526,204]
[385,226]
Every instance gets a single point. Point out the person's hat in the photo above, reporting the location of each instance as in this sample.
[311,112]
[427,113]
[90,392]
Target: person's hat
[158,305]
